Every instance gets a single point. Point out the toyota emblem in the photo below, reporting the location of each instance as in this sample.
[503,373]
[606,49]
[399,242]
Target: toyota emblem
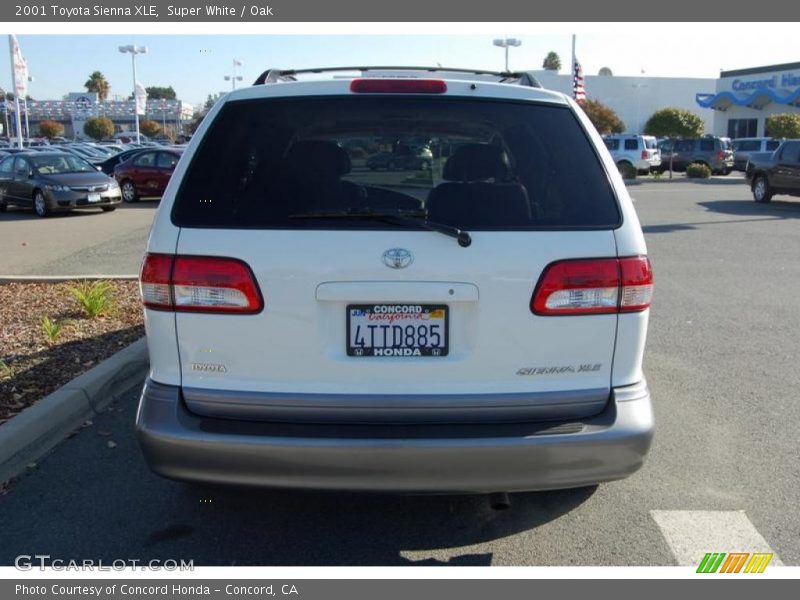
[397,258]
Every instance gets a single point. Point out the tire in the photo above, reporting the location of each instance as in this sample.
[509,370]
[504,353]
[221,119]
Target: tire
[626,169]
[3,206]
[129,194]
[762,193]
[108,208]
[40,204]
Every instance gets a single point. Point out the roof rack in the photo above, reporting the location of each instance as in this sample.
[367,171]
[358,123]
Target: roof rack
[512,77]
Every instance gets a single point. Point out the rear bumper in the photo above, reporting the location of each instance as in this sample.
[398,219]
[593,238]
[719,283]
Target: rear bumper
[396,458]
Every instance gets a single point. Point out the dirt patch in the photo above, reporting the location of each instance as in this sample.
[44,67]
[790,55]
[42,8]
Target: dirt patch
[31,364]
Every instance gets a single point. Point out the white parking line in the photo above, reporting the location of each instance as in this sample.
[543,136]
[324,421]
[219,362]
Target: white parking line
[691,534]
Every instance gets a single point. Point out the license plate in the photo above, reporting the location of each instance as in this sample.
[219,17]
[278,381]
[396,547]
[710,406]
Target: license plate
[94,198]
[397,330]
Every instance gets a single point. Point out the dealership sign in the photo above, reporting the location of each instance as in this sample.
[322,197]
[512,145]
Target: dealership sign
[787,80]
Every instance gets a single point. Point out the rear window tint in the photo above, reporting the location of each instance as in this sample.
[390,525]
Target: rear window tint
[480,165]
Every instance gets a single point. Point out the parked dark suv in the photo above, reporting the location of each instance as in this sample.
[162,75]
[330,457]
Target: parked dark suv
[714,152]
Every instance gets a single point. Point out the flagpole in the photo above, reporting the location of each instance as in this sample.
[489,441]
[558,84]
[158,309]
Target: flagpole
[16,91]
[572,65]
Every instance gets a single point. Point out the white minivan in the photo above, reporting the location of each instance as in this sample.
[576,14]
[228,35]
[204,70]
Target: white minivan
[477,325]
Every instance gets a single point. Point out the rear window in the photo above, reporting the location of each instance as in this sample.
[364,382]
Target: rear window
[706,145]
[747,145]
[773,144]
[479,165]
[650,143]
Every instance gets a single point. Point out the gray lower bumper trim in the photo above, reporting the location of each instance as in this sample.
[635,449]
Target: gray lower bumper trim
[399,458]
[395,408]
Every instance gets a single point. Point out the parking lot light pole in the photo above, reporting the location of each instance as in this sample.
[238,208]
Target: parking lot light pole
[507,43]
[233,77]
[134,50]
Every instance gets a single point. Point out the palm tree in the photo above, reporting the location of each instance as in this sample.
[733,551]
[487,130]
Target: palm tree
[552,62]
[98,83]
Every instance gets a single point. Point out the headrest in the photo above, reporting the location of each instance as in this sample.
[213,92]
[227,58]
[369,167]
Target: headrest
[318,157]
[477,162]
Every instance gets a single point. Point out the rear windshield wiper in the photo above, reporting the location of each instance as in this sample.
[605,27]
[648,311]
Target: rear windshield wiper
[417,218]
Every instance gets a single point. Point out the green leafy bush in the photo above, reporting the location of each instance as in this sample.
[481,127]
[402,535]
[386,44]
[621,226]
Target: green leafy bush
[698,171]
[602,117]
[98,128]
[674,122]
[5,370]
[51,329]
[783,126]
[94,297]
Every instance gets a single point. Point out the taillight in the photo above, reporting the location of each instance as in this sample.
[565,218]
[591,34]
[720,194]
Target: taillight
[636,289]
[154,281]
[721,154]
[644,154]
[594,286]
[398,86]
[199,284]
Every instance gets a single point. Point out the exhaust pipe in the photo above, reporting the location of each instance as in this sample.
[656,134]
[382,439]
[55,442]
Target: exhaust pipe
[499,501]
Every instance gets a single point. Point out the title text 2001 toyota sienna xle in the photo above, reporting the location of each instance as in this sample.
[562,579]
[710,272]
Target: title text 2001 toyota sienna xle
[474,326]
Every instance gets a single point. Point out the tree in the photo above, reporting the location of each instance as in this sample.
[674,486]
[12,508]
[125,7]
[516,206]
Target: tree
[198,118]
[98,83]
[211,101]
[161,93]
[604,119]
[98,128]
[783,126]
[672,123]
[149,128]
[552,62]
[50,129]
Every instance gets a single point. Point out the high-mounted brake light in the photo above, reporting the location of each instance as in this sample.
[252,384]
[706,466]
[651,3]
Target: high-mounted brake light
[594,286]
[199,284]
[398,86]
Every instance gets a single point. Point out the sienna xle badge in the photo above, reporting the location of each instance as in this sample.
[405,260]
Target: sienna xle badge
[471,322]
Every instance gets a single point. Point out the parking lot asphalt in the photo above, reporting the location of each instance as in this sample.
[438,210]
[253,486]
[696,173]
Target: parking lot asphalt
[87,242]
[721,361]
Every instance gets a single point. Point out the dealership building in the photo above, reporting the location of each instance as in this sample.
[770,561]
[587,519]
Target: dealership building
[736,104]
[73,111]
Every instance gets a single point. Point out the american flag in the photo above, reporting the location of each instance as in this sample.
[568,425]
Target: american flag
[578,92]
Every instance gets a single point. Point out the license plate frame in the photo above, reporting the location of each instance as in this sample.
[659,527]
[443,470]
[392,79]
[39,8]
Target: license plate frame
[401,350]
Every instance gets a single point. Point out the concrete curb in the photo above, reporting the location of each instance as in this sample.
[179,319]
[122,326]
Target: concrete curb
[40,427]
[710,181]
[61,278]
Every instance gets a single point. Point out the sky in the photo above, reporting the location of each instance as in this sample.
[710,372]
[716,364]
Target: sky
[196,64]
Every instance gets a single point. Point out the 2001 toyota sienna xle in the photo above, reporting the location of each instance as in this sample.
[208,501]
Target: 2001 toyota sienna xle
[474,326]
